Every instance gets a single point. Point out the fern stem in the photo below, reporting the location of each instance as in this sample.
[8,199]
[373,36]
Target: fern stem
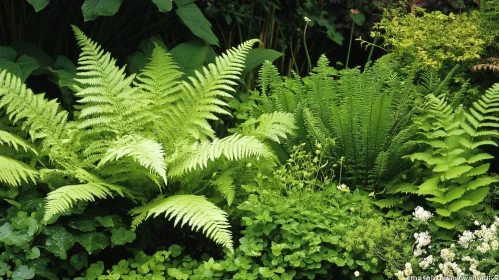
[372,49]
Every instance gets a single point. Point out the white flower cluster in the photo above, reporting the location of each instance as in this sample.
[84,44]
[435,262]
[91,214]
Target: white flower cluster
[404,275]
[426,262]
[422,239]
[343,188]
[483,240]
[421,215]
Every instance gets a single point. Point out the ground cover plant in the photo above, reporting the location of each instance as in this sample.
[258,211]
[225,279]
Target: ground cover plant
[176,167]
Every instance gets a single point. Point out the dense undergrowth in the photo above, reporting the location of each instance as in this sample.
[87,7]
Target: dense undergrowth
[168,169]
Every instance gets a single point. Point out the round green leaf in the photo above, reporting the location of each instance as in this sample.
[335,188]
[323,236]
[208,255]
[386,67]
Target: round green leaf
[39,4]
[92,9]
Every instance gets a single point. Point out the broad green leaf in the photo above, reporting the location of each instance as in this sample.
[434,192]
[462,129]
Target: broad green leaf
[92,9]
[122,236]
[23,272]
[190,56]
[34,51]
[93,241]
[443,212]
[256,57]
[27,65]
[194,19]
[22,67]
[456,171]
[477,196]
[106,221]
[59,241]
[266,272]
[479,157]
[479,170]
[454,194]
[7,54]
[163,5]
[480,182]
[445,224]
[459,204]
[39,4]
[430,187]
[11,237]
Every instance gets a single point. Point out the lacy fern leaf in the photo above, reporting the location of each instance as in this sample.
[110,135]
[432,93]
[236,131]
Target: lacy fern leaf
[193,210]
[13,172]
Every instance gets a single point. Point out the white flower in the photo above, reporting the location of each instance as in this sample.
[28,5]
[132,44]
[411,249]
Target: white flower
[495,245]
[466,238]
[483,248]
[447,255]
[422,239]
[477,223]
[421,215]
[306,19]
[356,273]
[426,262]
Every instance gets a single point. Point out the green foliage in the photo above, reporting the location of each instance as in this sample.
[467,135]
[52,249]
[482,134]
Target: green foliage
[130,131]
[449,162]
[359,110]
[434,39]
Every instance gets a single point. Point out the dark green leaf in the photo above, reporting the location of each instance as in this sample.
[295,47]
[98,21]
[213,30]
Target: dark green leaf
[257,57]
[194,19]
[11,237]
[358,18]
[23,272]
[34,253]
[121,236]
[59,241]
[190,56]
[163,5]
[79,261]
[83,225]
[93,241]
[106,221]
[94,8]
[39,4]
[27,65]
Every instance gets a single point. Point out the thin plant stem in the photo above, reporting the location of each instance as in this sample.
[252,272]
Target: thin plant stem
[305,45]
[350,44]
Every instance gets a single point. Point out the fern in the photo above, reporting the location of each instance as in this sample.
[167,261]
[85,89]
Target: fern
[193,210]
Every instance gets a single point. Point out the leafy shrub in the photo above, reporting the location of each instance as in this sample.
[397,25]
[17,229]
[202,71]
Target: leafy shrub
[433,39]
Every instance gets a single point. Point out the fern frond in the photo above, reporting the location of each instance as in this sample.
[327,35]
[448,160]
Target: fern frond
[225,185]
[147,152]
[273,126]
[16,142]
[233,147]
[106,91]
[13,172]
[42,119]
[204,92]
[196,211]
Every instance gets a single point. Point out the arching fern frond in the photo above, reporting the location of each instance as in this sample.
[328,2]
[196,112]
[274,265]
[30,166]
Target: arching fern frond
[233,147]
[42,119]
[92,187]
[204,93]
[225,185]
[146,152]
[16,142]
[13,172]
[273,126]
[193,210]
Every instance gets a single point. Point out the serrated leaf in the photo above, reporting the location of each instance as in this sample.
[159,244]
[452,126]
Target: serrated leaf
[445,224]
[456,171]
[122,236]
[458,205]
[479,170]
[430,187]
[443,212]
[477,196]
[480,182]
[93,241]
[480,157]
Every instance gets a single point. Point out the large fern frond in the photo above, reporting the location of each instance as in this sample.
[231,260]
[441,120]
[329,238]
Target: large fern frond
[106,94]
[92,187]
[193,210]
[147,152]
[233,147]
[273,126]
[204,93]
[13,172]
